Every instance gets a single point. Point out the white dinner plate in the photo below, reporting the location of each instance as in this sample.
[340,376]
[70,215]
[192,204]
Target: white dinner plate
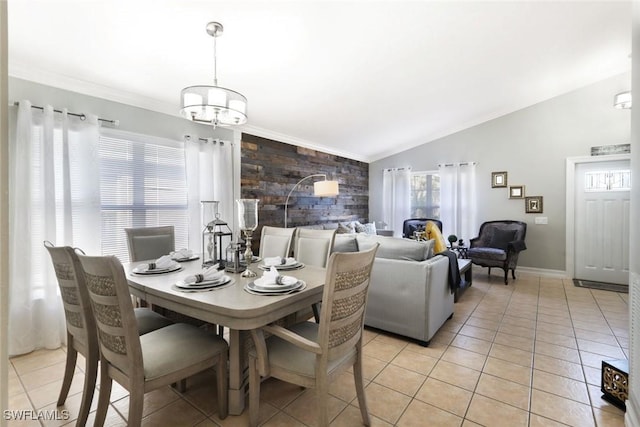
[191,258]
[144,269]
[204,284]
[252,288]
[283,267]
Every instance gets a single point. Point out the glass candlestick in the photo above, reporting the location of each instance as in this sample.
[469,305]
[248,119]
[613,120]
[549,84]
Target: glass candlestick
[248,222]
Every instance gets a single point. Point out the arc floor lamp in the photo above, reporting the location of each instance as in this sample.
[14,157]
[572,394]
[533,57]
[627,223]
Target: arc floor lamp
[323,188]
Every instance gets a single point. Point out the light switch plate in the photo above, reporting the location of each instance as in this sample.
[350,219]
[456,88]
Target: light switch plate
[542,220]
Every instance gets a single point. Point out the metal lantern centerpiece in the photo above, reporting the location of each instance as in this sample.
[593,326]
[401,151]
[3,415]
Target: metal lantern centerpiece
[248,222]
[214,230]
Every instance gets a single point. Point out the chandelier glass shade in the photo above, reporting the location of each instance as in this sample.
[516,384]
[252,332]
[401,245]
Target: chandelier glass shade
[622,100]
[213,104]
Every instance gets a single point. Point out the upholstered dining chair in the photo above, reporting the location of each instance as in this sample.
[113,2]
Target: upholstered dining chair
[150,242]
[276,241]
[81,327]
[310,354]
[313,247]
[144,363]
[499,244]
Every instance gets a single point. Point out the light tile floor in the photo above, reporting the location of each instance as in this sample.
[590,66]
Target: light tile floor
[526,354]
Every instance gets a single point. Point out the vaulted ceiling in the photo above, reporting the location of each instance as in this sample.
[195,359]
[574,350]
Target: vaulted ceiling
[363,79]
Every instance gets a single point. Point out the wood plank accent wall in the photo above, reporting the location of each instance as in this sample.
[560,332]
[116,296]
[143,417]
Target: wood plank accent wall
[270,169]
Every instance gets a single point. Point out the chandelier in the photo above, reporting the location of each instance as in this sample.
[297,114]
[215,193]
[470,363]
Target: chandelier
[215,105]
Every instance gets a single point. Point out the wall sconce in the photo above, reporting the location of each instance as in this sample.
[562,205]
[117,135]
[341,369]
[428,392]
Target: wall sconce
[324,188]
[622,100]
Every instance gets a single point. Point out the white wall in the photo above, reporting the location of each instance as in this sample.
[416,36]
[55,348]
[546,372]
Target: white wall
[531,145]
[4,213]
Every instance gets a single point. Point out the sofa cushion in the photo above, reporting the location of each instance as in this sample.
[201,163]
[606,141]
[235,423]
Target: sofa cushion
[345,243]
[345,229]
[500,238]
[395,248]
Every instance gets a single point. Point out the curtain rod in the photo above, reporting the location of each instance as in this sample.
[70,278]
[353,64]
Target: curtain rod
[82,116]
[398,169]
[459,164]
[207,140]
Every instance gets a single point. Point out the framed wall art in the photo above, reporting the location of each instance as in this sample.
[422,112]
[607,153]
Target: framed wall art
[516,192]
[533,204]
[498,179]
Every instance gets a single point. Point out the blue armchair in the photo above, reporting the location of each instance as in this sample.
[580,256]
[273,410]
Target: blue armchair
[498,245]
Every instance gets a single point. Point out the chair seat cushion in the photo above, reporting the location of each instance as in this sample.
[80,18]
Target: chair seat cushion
[287,356]
[487,253]
[149,320]
[176,347]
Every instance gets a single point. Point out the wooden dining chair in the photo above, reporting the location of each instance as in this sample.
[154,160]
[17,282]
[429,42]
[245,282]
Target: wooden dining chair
[276,241]
[81,327]
[313,247]
[146,243]
[144,363]
[310,354]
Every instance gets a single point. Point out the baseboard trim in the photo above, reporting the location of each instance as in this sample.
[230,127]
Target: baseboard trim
[542,272]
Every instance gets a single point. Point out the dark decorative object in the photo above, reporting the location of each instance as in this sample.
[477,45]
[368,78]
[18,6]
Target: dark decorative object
[498,245]
[452,239]
[533,204]
[516,192]
[498,179]
[615,382]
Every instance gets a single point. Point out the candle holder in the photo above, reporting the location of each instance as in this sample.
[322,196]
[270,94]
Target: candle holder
[248,222]
[215,229]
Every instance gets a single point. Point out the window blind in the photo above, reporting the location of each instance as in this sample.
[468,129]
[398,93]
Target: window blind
[142,184]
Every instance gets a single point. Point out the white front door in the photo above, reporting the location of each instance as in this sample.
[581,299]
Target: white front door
[602,196]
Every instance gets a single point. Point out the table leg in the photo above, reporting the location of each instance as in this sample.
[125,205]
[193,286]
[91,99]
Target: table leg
[237,372]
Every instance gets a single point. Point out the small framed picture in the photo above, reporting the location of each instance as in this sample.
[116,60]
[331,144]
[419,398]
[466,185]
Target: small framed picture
[498,179]
[533,204]
[516,192]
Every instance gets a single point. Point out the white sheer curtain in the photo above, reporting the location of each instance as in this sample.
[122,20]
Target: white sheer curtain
[54,181]
[210,168]
[458,199]
[396,196]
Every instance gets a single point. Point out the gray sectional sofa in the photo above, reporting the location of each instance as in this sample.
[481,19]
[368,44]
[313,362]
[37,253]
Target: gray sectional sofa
[409,293]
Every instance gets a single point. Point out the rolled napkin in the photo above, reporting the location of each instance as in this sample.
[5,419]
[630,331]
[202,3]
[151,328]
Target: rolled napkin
[182,254]
[161,263]
[272,277]
[278,260]
[208,274]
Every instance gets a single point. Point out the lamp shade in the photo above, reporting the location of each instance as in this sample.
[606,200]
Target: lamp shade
[325,188]
[622,100]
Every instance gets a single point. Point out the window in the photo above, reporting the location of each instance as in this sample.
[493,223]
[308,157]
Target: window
[142,184]
[425,195]
[617,180]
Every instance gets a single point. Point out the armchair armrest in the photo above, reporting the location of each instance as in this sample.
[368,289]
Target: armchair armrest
[474,242]
[293,338]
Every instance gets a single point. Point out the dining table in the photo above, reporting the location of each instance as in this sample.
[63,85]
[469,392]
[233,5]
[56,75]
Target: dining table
[231,306]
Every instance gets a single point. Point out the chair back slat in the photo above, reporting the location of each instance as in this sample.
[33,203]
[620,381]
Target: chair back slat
[113,312]
[75,298]
[344,300]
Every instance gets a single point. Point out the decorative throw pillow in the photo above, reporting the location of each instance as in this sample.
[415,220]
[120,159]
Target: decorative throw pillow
[433,232]
[344,229]
[359,227]
[501,238]
[370,228]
